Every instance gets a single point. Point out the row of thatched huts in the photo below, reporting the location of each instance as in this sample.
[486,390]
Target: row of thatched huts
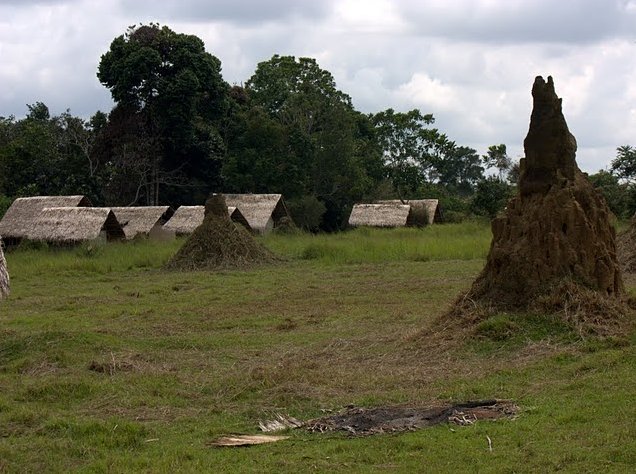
[70,219]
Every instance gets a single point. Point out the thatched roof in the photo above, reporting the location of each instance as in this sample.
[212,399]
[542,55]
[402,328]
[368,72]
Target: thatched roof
[4,275]
[431,207]
[66,225]
[20,216]
[187,218]
[262,211]
[141,220]
[380,215]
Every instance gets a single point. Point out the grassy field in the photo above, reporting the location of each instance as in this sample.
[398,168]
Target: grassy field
[109,364]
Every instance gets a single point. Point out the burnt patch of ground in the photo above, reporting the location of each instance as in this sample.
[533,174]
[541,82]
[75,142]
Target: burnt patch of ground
[367,421]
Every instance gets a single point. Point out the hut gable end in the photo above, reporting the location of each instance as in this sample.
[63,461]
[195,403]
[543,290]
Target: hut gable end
[263,212]
[141,220]
[430,206]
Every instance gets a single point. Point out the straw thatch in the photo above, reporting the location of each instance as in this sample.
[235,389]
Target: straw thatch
[20,216]
[430,207]
[4,275]
[262,211]
[380,215]
[68,225]
[187,218]
[142,220]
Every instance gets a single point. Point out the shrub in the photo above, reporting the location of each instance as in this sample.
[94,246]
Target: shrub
[307,212]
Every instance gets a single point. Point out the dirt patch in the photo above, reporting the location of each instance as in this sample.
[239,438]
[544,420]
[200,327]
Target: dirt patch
[110,367]
[218,243]
[367,421]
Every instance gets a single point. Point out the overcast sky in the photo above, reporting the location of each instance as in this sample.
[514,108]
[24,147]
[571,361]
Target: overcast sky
[470,63]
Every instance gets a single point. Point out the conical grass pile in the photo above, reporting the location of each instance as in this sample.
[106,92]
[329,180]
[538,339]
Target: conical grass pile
[219,244]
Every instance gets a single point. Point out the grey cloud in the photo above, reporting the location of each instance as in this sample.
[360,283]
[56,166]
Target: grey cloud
[236,11]
[521,21]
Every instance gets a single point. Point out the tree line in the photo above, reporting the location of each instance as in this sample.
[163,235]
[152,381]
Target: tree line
[179,131]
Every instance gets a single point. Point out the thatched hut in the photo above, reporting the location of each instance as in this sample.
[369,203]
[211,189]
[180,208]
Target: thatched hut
[146,221]
[187,218]
[381,215]
[263,212]
[4,275]
[20,217]
[70,225]
[427,207]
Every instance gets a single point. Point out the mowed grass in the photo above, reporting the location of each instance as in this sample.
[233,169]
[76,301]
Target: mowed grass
[109,364]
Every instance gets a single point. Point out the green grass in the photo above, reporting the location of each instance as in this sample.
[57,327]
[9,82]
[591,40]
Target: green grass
[108,364]
[465,241]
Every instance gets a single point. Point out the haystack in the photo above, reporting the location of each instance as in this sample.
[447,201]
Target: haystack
[219,243]
[393,214]
[4,275]
[553,248]
[20,217]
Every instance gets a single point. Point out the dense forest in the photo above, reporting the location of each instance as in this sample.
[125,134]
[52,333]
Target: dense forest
[178,131]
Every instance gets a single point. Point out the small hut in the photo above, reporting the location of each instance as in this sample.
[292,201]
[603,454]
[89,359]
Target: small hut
[381,215]
[187,218]
[263,212]
[20,217]
[146,221]
[71,225]
[4,275]
[429,207]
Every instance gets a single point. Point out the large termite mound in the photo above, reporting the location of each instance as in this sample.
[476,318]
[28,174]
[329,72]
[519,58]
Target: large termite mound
[626,248]
[218,243]
[553,247]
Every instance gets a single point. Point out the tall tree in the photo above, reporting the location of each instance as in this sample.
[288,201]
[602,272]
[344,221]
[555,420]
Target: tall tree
[624,165]
[41,154]
[411,148]
[459,169]
[325,136]
[497,157]
[173,90]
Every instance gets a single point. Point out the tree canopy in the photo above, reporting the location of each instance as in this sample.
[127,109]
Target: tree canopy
[178,131]
[170,90]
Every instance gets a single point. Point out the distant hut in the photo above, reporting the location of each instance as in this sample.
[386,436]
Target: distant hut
[20,216]
[146,221]
[4,275]
[263,212]
[71,225]
[381,215]
[429,207]
[187,218]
